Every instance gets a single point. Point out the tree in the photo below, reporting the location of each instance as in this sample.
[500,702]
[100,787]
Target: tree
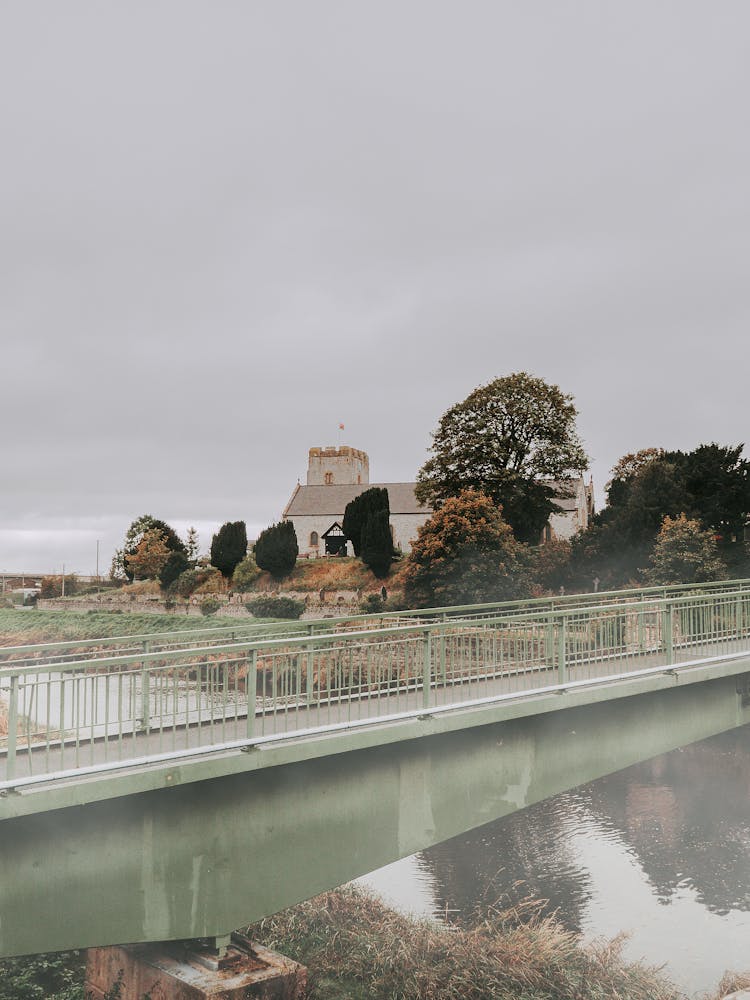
[359,510]
[710,484]
[276,549]
[377,544]
[229,546]
[149,557]
[192,544]
[465,553]
[684,553]
[136,531]
[175,565]
[508,439]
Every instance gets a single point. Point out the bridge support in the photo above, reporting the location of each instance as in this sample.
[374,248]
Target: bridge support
[231,968]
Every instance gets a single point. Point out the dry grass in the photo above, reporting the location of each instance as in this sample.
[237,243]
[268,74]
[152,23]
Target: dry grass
[357,948]
[329,574]
[730,982]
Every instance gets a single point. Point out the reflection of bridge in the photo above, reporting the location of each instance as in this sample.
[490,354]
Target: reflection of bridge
[179,785]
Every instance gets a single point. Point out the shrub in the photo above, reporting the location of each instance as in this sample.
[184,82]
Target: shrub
[212,582]
[205,580]
[209,606]
[276,549]
[52,585]
[245,574]
[371,604]
[275,607]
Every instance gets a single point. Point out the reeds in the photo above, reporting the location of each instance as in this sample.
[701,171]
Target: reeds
[355,948]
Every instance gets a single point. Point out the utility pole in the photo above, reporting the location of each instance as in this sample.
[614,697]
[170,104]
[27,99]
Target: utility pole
[97,560]
[63,582]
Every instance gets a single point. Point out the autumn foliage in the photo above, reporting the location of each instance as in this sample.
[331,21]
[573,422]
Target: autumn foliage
[465,554]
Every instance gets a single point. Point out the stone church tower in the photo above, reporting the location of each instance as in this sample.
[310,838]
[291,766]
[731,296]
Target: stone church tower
[342,466]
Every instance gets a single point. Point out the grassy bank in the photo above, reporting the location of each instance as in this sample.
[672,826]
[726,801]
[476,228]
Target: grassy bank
[358,949]
[19,627]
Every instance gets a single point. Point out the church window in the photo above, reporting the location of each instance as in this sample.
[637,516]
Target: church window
[313,538]
[328,478]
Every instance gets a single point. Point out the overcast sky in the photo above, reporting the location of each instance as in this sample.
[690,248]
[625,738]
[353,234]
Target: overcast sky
[226,227]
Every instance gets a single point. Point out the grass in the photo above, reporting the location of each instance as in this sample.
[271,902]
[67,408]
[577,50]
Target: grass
[25,627]
[358,949]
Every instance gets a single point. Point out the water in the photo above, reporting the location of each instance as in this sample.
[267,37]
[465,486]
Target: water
[660,851]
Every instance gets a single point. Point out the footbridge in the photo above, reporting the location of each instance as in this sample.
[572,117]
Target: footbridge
[178,785]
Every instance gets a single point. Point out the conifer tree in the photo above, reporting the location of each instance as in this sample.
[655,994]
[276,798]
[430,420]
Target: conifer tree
[377,544]
[276,549]
[359,510]
[229,546]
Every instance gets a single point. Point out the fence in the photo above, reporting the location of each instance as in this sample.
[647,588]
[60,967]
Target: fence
[138,704]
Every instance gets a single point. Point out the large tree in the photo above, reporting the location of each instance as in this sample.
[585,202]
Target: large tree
[465,553]
[229,546]
[136,531]
[684,553]
[150,556]
[710,485]
[508,439]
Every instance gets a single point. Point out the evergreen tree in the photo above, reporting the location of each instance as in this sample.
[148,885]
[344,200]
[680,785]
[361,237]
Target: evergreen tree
[276,549]
[175,565]
[358,511]
[192,545]
[377,544]
[229,546]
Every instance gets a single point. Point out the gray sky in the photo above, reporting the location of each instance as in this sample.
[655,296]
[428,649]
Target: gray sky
[225,227]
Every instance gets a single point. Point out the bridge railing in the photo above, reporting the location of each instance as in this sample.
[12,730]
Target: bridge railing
[36,654]
[74,714]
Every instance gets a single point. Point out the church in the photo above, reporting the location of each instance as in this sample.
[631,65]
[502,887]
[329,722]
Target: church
[335,476]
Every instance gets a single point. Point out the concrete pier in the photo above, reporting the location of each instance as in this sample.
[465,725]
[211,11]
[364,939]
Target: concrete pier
[239,969]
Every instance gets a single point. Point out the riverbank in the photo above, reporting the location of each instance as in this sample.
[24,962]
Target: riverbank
[356,948]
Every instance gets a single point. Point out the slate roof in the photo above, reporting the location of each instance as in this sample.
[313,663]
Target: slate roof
[332,500]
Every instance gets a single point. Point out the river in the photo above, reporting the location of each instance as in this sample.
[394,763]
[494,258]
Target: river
[660,851]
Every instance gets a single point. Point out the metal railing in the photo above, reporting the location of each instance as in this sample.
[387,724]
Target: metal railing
[35,654]
[145,703]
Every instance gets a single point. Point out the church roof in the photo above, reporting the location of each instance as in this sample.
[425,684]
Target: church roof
[332,500]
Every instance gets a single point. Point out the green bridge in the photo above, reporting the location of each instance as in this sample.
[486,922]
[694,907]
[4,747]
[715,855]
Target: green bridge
[178,785]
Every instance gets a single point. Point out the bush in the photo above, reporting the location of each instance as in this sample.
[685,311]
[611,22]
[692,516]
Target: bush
[52,585]
[245,574]
[275,607]
[212,582]
[209,606]
[205,580]
[276,549]
[371,604]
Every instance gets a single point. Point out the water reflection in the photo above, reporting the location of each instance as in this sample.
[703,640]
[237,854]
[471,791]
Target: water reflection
[660,850]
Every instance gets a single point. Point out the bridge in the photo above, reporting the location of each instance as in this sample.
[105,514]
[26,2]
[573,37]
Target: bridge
[178,785]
